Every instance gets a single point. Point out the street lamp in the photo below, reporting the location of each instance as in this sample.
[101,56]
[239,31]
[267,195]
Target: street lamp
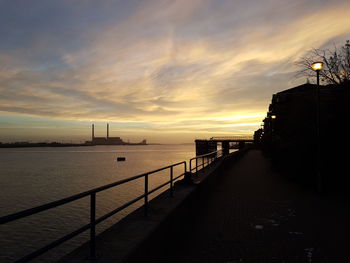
[318,66]
[272,126]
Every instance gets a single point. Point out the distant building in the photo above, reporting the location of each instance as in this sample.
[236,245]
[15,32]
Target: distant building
[109,140]
[114,140]
[99,141]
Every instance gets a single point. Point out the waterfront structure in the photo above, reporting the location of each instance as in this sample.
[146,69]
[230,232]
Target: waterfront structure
[204,146]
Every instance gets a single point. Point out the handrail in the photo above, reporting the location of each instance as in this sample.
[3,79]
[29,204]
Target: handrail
[38,209]
[211,156]
[92,193]
[237,137]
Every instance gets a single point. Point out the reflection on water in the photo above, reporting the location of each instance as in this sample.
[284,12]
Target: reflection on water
[34,176]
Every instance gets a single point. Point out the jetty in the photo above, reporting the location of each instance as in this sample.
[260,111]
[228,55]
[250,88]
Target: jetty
[204,146]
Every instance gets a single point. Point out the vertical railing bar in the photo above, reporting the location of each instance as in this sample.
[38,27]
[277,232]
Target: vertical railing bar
[171,182]
[92,226]
[196,165]
[146,195]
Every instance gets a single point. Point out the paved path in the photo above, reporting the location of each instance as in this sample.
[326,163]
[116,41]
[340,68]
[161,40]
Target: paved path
[252,214]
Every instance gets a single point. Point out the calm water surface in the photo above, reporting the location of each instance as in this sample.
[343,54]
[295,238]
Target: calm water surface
[34,176]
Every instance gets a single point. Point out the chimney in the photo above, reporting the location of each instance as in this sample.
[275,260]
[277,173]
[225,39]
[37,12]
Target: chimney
[107,130]
[93,132]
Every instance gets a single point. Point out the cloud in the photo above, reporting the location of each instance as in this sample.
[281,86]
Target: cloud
[175,65]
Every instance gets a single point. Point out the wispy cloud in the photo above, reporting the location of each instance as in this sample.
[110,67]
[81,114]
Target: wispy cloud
[198,66]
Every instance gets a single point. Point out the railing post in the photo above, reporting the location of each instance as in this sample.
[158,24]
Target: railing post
[146,195]
[92,225]
[185,167]
[171,182]
[203,162]
[196,165]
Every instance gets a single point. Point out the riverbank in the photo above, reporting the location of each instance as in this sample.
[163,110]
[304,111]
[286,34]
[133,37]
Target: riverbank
[56,144]
[40,144]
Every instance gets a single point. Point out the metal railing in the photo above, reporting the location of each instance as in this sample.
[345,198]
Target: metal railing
[233,138]
[206,159]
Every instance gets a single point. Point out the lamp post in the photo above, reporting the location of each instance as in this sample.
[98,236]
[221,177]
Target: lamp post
[273,117]
[272,129]
[318,66]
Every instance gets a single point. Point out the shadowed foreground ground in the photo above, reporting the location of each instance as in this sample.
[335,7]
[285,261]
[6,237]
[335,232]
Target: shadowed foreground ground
[251,214]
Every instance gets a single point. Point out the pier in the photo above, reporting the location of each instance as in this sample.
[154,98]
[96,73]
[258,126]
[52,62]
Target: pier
[204,146]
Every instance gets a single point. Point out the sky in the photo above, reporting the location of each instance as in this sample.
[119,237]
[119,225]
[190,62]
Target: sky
[168,71]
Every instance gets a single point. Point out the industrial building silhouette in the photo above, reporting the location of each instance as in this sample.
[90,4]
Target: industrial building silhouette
[109,140]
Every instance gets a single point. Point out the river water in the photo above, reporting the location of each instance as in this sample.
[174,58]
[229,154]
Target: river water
[34,176]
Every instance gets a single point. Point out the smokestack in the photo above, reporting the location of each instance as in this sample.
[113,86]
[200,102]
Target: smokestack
[93,132]
[107,130]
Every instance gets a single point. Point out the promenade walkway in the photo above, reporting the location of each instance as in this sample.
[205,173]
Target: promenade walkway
[251,214]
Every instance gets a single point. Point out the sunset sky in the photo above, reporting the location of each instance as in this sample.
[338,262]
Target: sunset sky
[164,70]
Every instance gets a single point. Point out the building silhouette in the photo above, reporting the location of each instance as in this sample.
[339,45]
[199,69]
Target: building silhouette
[109,140]
[298,143]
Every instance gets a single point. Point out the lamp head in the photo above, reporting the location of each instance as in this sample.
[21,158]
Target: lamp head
[317,65]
